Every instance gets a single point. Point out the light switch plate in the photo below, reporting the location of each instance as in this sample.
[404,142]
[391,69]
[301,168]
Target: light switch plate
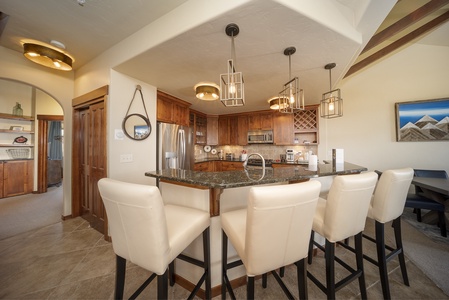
[126,158]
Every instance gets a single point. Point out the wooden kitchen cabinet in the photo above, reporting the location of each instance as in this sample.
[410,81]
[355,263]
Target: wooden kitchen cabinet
[207,166]
[283,129]
[172,110]
[231,165]
[223,131]
[260,121]
[17,177]
[1,179]
[306,125]
[212,130]
[242,130]
[198,122]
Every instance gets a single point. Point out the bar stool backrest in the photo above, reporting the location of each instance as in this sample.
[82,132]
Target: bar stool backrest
[137,223]
[279,224]
[347,205]
[391,192]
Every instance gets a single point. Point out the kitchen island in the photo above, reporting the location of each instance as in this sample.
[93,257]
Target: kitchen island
[218,192]
[217,181]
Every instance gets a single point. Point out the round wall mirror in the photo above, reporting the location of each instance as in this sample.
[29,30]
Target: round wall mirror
[136,127]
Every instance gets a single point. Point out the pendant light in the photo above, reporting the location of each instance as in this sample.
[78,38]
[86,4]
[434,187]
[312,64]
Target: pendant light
[291,98]
[231,83]
[332,103]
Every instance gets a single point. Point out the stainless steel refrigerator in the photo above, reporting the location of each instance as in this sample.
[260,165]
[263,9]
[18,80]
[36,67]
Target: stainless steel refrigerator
[175,149]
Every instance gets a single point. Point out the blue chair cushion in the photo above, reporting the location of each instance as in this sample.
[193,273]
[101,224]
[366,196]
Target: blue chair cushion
[416,201]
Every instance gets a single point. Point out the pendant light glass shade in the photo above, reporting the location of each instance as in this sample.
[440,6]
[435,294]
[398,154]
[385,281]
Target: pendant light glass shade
[291,97]
[47,56]
[232,92]
[331,105]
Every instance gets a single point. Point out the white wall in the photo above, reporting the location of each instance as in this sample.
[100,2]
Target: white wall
[60,86]
[367,131]
[121,92]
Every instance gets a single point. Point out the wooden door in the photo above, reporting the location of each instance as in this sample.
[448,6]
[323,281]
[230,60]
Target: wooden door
[97,164]
[89,157]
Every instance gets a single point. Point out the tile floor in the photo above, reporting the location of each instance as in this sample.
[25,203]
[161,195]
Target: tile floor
[70,260]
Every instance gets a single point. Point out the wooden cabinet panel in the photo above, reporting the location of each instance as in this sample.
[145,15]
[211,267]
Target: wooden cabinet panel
[198,122]
[223,131]
[231,165]
[17,177]
[164,110]
[180,115]
[204,166]
[212,130]
[233,131]
[1,179]
[242,130]
[260,121]
[171,109]
[283,129]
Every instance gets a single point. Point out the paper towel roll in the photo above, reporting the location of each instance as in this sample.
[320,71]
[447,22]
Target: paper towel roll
[313,160]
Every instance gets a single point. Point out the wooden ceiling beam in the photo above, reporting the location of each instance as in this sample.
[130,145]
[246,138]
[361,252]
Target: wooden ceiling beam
[405,22]
[399,43]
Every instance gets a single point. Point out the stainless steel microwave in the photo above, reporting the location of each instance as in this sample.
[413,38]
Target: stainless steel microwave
[260,137]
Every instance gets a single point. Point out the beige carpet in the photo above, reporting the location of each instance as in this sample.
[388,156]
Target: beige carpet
[20,214]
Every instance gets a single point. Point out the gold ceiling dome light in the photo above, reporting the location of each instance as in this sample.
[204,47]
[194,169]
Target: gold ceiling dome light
[52,56]
[331,105]
[276,103]
[207,91]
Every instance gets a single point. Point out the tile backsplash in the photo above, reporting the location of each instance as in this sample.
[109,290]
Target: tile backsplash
[267,151]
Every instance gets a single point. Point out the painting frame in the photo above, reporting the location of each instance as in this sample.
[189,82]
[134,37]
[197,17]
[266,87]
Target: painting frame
[422,120]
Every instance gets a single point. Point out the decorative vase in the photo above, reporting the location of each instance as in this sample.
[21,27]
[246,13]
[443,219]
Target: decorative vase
[17,110]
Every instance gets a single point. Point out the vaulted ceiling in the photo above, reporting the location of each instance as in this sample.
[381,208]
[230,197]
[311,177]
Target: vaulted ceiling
[267,27]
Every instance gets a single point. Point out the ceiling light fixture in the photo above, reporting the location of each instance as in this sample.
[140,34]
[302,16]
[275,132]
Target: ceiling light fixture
[231,84]
[276,103]
[332,103]
[291,98]
[207,91]
[48,56]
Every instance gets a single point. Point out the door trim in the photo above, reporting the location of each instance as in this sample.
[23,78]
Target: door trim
[42,136]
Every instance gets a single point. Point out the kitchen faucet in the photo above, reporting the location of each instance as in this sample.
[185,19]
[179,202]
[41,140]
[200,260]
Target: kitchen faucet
[247,158]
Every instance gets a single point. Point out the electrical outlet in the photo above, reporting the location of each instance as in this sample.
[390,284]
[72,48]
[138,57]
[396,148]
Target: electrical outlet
[126,158]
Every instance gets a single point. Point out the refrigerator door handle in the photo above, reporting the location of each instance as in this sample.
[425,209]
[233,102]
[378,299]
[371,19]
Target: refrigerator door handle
[182,148]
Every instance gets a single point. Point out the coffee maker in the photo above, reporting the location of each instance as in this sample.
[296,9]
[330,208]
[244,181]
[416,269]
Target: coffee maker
[290,155]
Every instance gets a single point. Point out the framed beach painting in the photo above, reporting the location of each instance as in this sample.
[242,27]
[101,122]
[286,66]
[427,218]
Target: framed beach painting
[425,120]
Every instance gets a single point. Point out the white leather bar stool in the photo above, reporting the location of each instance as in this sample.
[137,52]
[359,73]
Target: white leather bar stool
[343,215]
[388,205]
[151,235]
[272,232]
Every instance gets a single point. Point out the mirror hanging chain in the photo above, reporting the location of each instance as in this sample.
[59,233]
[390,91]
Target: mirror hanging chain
[138,88]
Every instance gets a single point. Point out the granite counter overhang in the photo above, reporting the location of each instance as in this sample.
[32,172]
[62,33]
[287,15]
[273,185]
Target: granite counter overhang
[232,179]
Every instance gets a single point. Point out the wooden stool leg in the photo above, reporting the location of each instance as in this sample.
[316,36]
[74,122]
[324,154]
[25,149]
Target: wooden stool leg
[120,277]
[359,259]
[381,259]
[301,268]
[162,285]
[401,256]
[250,288]
[329,252]
[310,254]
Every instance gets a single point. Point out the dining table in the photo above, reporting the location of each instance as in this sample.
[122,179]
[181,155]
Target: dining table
[436,189]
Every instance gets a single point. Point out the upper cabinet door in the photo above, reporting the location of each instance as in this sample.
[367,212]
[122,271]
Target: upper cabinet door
[260,121]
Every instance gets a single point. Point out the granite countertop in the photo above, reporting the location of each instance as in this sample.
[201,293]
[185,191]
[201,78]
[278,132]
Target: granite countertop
[253,176]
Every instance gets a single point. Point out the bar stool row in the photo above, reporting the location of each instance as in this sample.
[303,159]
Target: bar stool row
[267,236]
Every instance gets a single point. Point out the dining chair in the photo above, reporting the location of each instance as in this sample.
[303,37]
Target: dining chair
[419,201]
[339,217]
[272,232]
[151,235]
